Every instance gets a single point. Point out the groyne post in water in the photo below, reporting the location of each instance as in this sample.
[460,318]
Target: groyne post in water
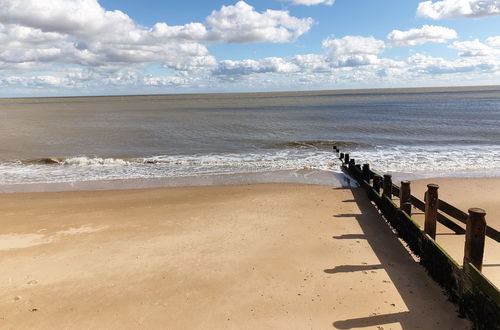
[405,197]
[377,183]
[346,158]
[431,209]
[352,163]
[474,238]
[366,172]
[388,185]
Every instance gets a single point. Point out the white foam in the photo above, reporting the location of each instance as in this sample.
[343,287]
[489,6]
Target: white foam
[415,161]
[88,168]
[433,161]
[90,161]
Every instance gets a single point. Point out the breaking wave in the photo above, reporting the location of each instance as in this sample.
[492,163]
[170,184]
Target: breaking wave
[413,161]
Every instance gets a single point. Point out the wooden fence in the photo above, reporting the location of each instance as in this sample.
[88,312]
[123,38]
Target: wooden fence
[477,298]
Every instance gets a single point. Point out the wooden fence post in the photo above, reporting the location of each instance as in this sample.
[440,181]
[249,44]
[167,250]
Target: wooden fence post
[474,238]
[377,183]
[406,207]
[388,185]
[405,193]
[431,209]
[366,172]
[405,197]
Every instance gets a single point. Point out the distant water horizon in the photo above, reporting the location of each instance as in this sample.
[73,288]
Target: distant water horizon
[417,132]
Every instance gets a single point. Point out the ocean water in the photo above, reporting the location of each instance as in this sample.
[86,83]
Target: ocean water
[411,132]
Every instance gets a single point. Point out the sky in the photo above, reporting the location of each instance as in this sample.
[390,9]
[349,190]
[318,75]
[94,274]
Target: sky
[91,47]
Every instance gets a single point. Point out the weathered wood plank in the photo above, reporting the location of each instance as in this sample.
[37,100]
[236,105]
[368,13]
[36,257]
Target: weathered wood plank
[452,211]
[396,191]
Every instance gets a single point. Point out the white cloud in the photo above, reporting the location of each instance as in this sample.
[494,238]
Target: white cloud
[428,33]
[69,45]
[353,45]
[242,24]
[344,53]
[310,2]
[247,67]
[312,62]
[81,32]
[75,17]
[473,48]
[458,8]
[353,50]
[424,64]
[493,41]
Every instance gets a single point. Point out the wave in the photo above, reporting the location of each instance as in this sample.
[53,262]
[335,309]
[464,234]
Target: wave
[421,161]
[318,144]
[85,168]
[78,161]
[42,161]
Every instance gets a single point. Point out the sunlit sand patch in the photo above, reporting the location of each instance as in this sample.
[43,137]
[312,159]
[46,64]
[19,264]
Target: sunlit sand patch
[80,230]
[20,241]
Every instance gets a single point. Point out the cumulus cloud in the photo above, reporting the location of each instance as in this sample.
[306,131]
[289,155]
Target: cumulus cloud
[425,64]
[81,32]
[493,41]
[242,24]
[310,2]
[353,50]
[346,52]
[428,33]
[247,67]
[312,62]
[473,48]
[353,45]
[458,8]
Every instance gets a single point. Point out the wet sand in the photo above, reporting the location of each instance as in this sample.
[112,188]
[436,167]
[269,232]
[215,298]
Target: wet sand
[261,256]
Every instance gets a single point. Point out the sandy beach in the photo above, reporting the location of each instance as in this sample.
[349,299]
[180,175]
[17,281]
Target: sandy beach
[267,256]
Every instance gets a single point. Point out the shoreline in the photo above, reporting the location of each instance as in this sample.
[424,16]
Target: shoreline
[304,176]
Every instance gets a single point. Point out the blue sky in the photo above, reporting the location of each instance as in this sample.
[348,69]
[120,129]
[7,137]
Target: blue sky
[90,47]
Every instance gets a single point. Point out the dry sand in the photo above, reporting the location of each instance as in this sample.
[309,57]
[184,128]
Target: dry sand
[465,193]
[264,256]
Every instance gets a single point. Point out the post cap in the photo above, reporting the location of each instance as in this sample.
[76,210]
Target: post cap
[405,182]
[477,211]
[387,175]
[432,186]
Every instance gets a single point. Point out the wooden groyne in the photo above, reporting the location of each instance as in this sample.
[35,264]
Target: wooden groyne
[477,298]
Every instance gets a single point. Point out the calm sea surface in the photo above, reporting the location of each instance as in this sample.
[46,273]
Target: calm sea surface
[418,132]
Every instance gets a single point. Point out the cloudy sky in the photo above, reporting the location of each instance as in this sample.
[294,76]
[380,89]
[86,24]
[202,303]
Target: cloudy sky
[93,47]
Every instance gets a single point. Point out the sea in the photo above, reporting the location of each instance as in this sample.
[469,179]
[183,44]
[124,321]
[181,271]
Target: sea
[412,133]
